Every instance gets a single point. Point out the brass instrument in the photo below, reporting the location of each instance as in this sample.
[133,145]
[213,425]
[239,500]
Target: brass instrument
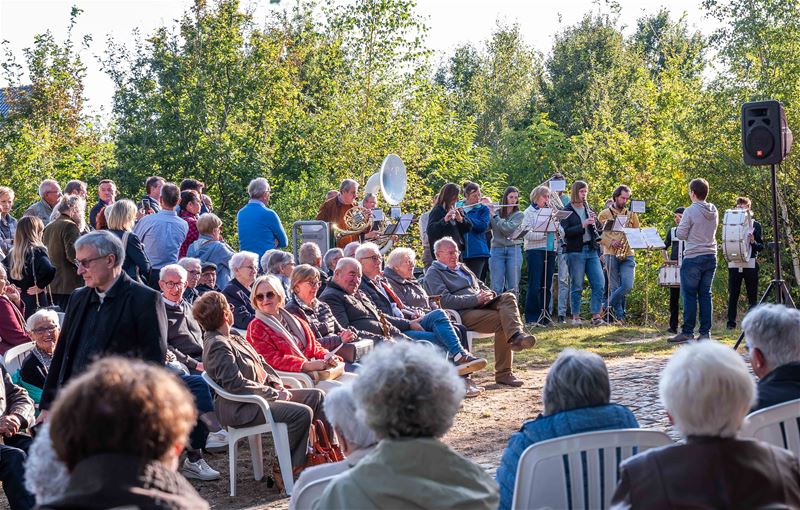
[356,220]
[391,181]
[621,251]
[553,199]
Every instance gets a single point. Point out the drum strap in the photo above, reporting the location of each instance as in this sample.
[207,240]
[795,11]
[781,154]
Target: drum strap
[680,245]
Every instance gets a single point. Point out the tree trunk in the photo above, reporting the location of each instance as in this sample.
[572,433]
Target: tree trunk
[790,241]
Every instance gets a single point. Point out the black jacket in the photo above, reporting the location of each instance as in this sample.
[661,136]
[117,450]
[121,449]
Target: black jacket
[573,232]
[132,321]
[758,245]
[355,310]
[136,263]
[124,481]
[438,228]
[382,303]
[779,386]
[239,296]
[38,271]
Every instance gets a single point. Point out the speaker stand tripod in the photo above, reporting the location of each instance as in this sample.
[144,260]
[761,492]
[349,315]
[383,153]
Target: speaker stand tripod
[778,285]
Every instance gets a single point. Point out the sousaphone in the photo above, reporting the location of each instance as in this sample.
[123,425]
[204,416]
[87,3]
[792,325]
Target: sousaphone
[391,180]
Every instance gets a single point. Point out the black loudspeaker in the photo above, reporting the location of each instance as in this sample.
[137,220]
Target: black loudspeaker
[766,139]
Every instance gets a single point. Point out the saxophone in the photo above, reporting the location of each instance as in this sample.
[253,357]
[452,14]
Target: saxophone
[621,252]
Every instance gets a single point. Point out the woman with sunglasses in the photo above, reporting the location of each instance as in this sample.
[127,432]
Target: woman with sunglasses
[286,342]
[44,330]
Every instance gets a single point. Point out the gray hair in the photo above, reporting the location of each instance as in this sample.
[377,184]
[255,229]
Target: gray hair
[399,255]
[278,260]
[350,248]
[45,184]
[308,254]
[70,204]
[240,258]
[347,185]
[258,187]
[329,255]
[41,315]
[265,257]
[46,477]
[185,261]
[576,379]
[707,390]
[407,390]
[340,408]
[367,250]
[445,240]
[775,331]
[105,243]
[173,268]
[347,261]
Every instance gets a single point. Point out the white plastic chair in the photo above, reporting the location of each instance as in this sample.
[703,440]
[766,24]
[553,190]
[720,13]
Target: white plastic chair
[545,468]
[777,425]
[471,335]
[280,435]
[15,356]
[309,493]
[294,380]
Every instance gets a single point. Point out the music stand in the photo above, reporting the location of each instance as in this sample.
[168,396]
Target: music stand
[647,239]
[615,224]
[544,223]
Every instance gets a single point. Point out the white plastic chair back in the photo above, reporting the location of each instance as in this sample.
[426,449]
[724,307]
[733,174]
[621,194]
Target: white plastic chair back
[777,425]
[578,471]
[16,355]
[280,435]
[305,498]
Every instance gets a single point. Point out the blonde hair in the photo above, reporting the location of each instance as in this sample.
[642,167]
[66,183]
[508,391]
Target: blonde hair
[302,273]
[5,190]
[27,236]
[539,191]
[272,281]
[207,223]
[121,215]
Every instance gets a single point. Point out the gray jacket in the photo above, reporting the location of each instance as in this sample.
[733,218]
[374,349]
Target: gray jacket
[502,228]
[698,228]
[40,209]
[457,292]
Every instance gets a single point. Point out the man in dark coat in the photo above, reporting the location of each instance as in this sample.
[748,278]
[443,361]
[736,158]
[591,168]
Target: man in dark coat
[16,413]
[772,333]
[112,314]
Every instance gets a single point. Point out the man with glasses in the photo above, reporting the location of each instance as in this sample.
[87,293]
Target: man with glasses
[49,193]
[433,326]
[334,209]
[193,273]
[112,314]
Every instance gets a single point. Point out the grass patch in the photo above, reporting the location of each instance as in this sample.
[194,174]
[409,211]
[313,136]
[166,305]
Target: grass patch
[607,341]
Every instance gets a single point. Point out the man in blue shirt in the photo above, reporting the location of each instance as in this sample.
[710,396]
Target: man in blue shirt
[259,227]
[162,233]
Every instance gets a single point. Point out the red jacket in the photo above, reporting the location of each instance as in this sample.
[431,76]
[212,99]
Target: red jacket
[12,330]
[278,352]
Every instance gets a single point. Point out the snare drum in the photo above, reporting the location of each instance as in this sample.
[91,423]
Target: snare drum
[669,276]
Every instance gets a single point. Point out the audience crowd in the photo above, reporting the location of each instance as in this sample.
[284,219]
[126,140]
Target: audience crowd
[125,315]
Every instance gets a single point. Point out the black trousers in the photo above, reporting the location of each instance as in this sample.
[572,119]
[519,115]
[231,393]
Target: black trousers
[735,277]
[674,307]
[12,471]
[478,266]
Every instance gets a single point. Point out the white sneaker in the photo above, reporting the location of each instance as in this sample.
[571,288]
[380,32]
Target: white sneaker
[217,439]
[199,470]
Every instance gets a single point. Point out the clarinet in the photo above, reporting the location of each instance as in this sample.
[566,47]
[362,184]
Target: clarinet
[589,213]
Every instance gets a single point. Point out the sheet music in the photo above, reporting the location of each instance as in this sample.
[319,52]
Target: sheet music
[544,221]
[377,215]
[644,238]
[619,223]
[558,185]
[560,215]
[638,206]
[403,223]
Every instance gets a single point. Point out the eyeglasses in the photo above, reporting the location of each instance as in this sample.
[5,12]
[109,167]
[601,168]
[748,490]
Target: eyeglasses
[194,273]
[48,329]
[86,262]
[376,258]
[172,285]
[251,268]
[263,297]
[314,283]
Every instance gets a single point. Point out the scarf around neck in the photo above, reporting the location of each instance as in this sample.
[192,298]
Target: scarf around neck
[286,326]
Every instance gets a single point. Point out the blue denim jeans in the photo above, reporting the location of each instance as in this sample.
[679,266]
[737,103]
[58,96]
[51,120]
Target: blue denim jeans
[537,279]
[585,262]
[620,282]
[439,331]
[697,273]
[505,266]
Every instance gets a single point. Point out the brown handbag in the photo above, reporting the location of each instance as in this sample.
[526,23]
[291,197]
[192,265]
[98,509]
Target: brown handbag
[321,451]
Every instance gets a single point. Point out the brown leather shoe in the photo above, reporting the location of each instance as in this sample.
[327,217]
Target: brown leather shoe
[508,379]
[521,341]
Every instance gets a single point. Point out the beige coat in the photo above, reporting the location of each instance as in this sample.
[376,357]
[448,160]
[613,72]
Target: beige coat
[232,363]
[59,237]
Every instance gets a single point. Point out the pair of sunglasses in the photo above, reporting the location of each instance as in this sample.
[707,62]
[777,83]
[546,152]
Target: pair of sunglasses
[269,295]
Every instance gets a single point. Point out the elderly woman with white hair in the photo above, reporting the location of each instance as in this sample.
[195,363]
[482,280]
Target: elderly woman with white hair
[356,438]
[244,269]
[409,396]
[59,237]
[707,391]
[44,330]
[576,398]
[772,333]
[281,264]
[286,342]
